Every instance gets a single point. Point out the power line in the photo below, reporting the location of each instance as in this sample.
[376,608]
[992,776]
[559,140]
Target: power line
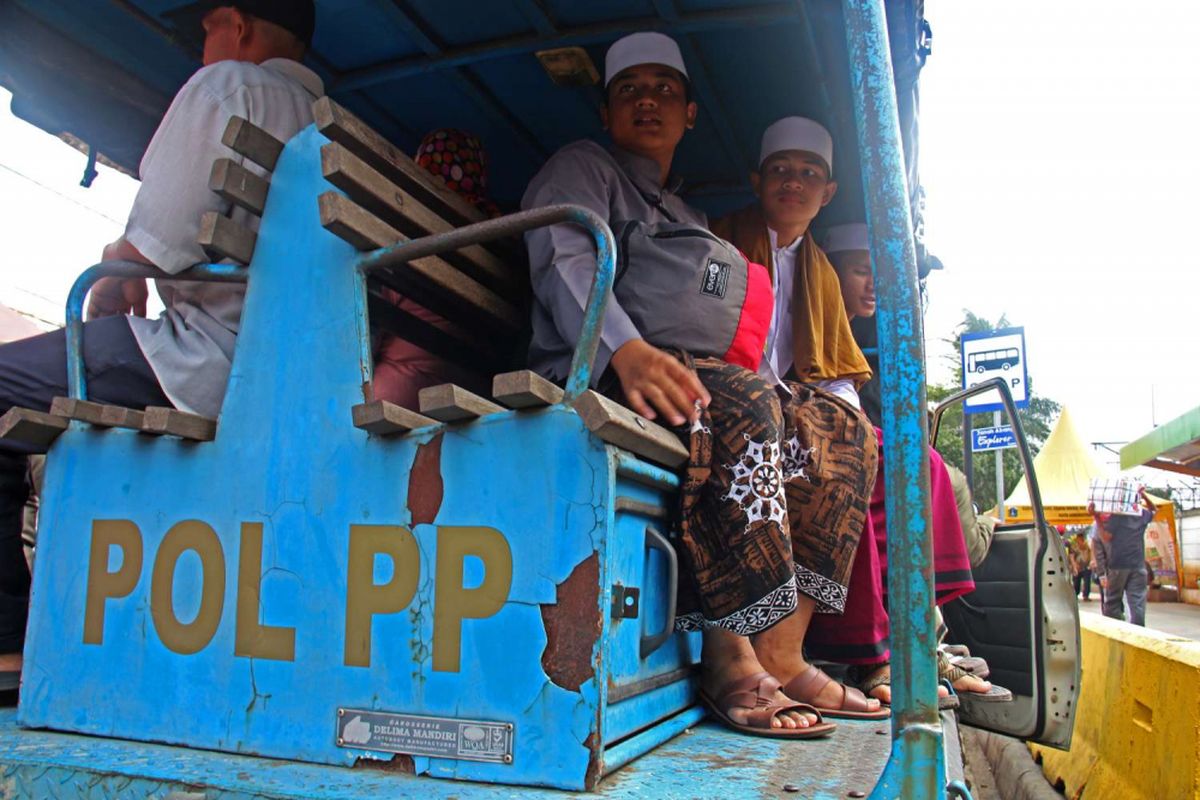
[54,191]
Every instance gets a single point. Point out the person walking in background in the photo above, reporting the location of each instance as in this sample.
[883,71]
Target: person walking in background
[1124,571]
[1079,554]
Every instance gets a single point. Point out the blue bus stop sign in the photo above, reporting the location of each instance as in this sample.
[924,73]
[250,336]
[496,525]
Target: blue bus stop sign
[998,438]
[995,354]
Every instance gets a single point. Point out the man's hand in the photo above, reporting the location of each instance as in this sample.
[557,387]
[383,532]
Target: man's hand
[650,377]
[113,296]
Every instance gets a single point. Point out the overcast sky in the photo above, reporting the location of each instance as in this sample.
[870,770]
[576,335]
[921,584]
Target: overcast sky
[1059,146]
[1060,152]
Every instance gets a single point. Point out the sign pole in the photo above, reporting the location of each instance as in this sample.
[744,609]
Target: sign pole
[999,470]
[968,461]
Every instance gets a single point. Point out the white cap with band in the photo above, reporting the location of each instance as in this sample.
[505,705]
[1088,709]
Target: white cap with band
[797,133]
[642,48]
[851,236]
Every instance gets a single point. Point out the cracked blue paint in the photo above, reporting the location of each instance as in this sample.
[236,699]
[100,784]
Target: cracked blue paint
[537,477]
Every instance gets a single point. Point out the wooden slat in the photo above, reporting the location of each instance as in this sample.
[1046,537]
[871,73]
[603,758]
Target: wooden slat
[80,410]
[99,414]
[616,424]
[238,185]
[450,403]
[525,389]
[252,142]
[173,422]
[34,429]
[340,126]
[386,419]
[346,219]
[121,417]
[371,189]
[223,238]
[352,223]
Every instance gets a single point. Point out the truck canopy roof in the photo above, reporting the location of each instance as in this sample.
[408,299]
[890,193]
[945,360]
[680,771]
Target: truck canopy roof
[104,73]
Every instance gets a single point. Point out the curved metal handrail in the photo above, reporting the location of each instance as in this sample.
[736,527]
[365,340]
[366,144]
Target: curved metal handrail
[76,375]
[511,225]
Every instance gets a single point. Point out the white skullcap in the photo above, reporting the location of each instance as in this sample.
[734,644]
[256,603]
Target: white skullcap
[851,236]
[642,48]
[797,133]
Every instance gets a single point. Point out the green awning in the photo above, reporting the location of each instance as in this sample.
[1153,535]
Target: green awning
[1173,446]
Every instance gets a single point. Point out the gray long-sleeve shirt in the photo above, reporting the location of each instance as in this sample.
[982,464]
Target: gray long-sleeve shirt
[617,185]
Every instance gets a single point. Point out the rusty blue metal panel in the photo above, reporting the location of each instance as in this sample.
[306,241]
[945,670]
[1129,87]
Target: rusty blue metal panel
[243,638]
[915,768]
[706,761]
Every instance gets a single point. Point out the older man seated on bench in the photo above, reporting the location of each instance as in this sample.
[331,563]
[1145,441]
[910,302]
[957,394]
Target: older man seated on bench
[252,69]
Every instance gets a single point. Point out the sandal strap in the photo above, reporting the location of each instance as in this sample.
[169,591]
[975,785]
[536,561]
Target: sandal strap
[948,670]
[808,684]
[764,716]
[880,676]
[752,691]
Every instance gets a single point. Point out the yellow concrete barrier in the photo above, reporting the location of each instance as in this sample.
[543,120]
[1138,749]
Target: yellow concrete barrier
[1137,728]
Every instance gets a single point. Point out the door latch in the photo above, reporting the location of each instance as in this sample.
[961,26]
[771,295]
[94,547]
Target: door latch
[624,601]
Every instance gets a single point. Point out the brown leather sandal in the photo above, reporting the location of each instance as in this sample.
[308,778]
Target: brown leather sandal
[757,692]
[952,674]
[808,684]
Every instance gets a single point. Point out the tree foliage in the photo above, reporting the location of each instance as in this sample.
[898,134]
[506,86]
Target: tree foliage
[1037,420]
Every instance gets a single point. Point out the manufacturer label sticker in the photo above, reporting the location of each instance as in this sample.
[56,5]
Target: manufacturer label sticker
[716,279]
[440,737]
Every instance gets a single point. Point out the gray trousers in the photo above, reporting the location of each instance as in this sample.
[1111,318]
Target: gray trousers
[1130,585]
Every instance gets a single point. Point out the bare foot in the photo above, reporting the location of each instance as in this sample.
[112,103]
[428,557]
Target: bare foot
[714,684]
[727,657]
[969,683]
[882,692]
[833,694]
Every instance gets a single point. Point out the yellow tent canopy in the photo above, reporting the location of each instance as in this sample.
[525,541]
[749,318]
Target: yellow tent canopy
[1064,467]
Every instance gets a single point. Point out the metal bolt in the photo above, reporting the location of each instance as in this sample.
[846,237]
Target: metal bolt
[341,712]
[881,732]
[507,759]
[791,787]
[340,741]
[856,793]
[508,726]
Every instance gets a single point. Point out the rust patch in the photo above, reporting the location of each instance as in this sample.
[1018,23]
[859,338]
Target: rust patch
[401,763]
[572,626]
[425,487]
[592,776]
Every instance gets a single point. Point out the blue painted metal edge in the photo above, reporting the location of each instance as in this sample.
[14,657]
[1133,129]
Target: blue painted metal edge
[915,767]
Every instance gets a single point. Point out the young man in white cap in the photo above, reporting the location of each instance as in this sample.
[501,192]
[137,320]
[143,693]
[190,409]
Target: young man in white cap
[810,334]
[850,253]
[754,570]
[252,69]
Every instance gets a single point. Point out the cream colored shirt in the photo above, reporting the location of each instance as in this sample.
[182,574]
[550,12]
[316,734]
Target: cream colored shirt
[190,347]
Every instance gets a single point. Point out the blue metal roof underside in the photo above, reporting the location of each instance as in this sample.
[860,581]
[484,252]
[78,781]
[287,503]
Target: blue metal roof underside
[409,66]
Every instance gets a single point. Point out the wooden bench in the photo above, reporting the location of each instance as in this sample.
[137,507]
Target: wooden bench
[388,199]
[222,239]
[379,197]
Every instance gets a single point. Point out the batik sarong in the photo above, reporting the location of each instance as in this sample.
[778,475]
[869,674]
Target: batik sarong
[773,502]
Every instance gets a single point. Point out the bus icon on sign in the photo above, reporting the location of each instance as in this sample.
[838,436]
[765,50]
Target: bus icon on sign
[988,360]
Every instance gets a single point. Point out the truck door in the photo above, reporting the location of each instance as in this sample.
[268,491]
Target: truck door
[1022,618]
